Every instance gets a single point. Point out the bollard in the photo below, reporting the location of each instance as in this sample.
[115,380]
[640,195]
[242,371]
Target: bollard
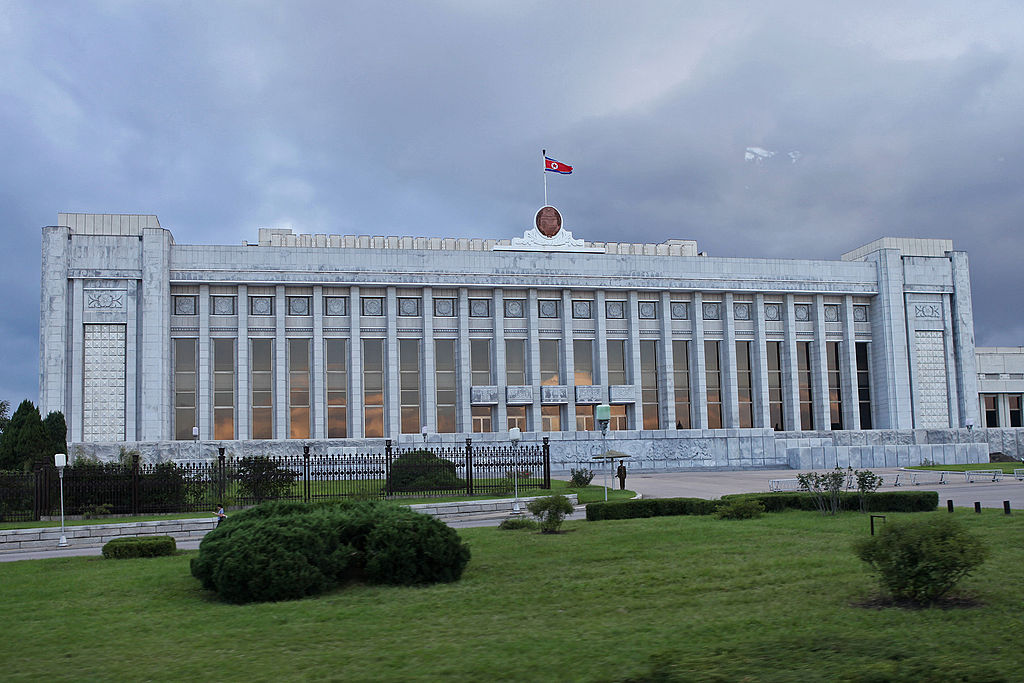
[1006,506]
[949,505]
[977,507]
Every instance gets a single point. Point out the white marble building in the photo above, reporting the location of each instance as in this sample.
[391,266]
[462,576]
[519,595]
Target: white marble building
[709,361]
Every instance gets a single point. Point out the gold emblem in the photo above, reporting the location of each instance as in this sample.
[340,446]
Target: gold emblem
[548,221]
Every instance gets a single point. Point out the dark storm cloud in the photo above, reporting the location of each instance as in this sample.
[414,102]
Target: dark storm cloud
[428,119]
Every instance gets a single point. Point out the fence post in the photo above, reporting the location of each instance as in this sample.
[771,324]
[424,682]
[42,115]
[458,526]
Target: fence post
[305,473]
[221,483]
[469,466]
[546,449]
[42,497]
[135,484]
[387,467]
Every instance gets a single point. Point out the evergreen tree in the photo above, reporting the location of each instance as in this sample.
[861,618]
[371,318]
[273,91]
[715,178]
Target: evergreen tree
[5,414]
[25,441]
[57,431]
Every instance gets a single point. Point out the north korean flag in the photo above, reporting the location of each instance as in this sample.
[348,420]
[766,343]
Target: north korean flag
[556,166]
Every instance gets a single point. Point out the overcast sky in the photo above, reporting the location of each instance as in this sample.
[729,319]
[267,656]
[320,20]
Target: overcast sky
[428,118]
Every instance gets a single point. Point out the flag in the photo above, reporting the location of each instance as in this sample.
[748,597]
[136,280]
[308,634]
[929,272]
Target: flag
[556,166]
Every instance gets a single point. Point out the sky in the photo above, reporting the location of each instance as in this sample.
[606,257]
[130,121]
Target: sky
[781,129]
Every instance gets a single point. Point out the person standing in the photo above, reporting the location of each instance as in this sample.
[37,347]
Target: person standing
[221,515]
[621,474]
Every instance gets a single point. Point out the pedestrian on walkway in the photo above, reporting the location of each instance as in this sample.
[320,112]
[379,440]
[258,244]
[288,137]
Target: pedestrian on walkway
[221,515]
[621,474]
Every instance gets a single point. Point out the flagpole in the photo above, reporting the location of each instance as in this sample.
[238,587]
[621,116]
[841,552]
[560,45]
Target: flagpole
[544,155]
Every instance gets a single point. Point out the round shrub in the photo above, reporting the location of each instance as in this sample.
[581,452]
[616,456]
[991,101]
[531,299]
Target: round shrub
[286,550]
[139,546]
[740,509]
[423,471]
[550,510]
[412,549]
[921,560]
[515,523]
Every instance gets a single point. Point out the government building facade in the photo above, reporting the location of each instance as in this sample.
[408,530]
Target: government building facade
[344,341]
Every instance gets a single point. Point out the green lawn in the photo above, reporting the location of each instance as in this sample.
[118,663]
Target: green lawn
[771,599]
[588,495]
[1006,467]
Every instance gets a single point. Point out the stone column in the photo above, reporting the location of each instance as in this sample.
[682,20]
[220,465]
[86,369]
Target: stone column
[698,369]
[156,396]
[318,376]
[730,389]
[463,366]
[77,361]
[790,368]
[819,368]
[428,397]
[890,361]
[356,423]
[203,368]
[131,362]
[666,365]
[952,390]
[568,361]
[633,350]
[281,401]
[848,367]
[601,339]
[242,367]
[759,366]
[963,339]
[498,354]
[533,358]
[392,396]
[53,321]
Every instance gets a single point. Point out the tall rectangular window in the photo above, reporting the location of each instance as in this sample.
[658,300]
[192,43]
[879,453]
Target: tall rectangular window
[480,362]
[515,363]
[261,383]
[445,382]
[744,386]
[185,388]
[583,361]
[223,388]
[373,387]
[298,388]
[649,384]
[517,417]
[864,385]
[835,394]
[336,367]
[551,418]
[713,375]
[773,350]
[482,420]
[616,361]
[550,372]
[584,417]
[1015,409]
[681,375]
[990,409]
[409,384]
[620,419]
[803,371]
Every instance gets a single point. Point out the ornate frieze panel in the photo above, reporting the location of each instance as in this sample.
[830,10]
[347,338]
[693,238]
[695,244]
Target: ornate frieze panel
[111,300]
[622,393]
[183,305]
[860,314]
[408,306]
[222,305]
[615,310]
[680,310]
[335,305]
[515,308]
[931,393]
[772,312]
[483,395]
[519,394]
[582,309]
[647,310]
[928,311]
[444,308]
[802,312]
[548,308]
[480,308]
[554,394]
[103,387]
[590,394]
[298,305]
[261,305]
[741,310]
[372,306]
[712,310]
[831,313]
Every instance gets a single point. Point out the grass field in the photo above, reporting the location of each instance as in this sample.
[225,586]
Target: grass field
[771,599]
[1006,467]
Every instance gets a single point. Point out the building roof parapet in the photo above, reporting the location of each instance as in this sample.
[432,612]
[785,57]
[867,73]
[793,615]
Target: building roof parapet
[120,224]
[907,246]
[284,237]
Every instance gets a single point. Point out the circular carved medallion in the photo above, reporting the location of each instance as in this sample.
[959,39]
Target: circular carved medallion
[548,221]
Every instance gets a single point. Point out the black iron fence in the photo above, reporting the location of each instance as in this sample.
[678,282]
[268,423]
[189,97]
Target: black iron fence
[133,487]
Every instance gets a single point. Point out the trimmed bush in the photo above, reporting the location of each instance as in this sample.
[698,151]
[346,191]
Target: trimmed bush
[921,560]
[261,478]
[740,509]
[285,550]
[581,478]
[650,507]
[515,523]
[423,471]
[550,510]
[139,546]
[880,501]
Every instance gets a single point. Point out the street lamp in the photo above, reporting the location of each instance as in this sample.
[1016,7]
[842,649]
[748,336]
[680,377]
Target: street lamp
[603,415]
[425,433]
[515,436]
[970,425]
[195,435]
[60,460]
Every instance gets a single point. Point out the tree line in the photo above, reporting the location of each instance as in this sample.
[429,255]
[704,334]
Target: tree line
[27,440]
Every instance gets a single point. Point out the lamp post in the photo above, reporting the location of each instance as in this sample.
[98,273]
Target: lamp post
[515,436]
[60,460]
[970,425]
[603,415]
[425,434]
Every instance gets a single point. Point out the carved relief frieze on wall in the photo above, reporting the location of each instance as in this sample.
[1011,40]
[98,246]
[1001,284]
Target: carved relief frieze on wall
[589,394]
[518,395]
[772,312]
[554,394]
[105,299]
[928,311]
[622,393]
[483,395]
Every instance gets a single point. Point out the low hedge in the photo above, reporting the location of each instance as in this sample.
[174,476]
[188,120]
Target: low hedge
[650,507]
[879,501]
[288,550]
[884,501]
[139,546]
